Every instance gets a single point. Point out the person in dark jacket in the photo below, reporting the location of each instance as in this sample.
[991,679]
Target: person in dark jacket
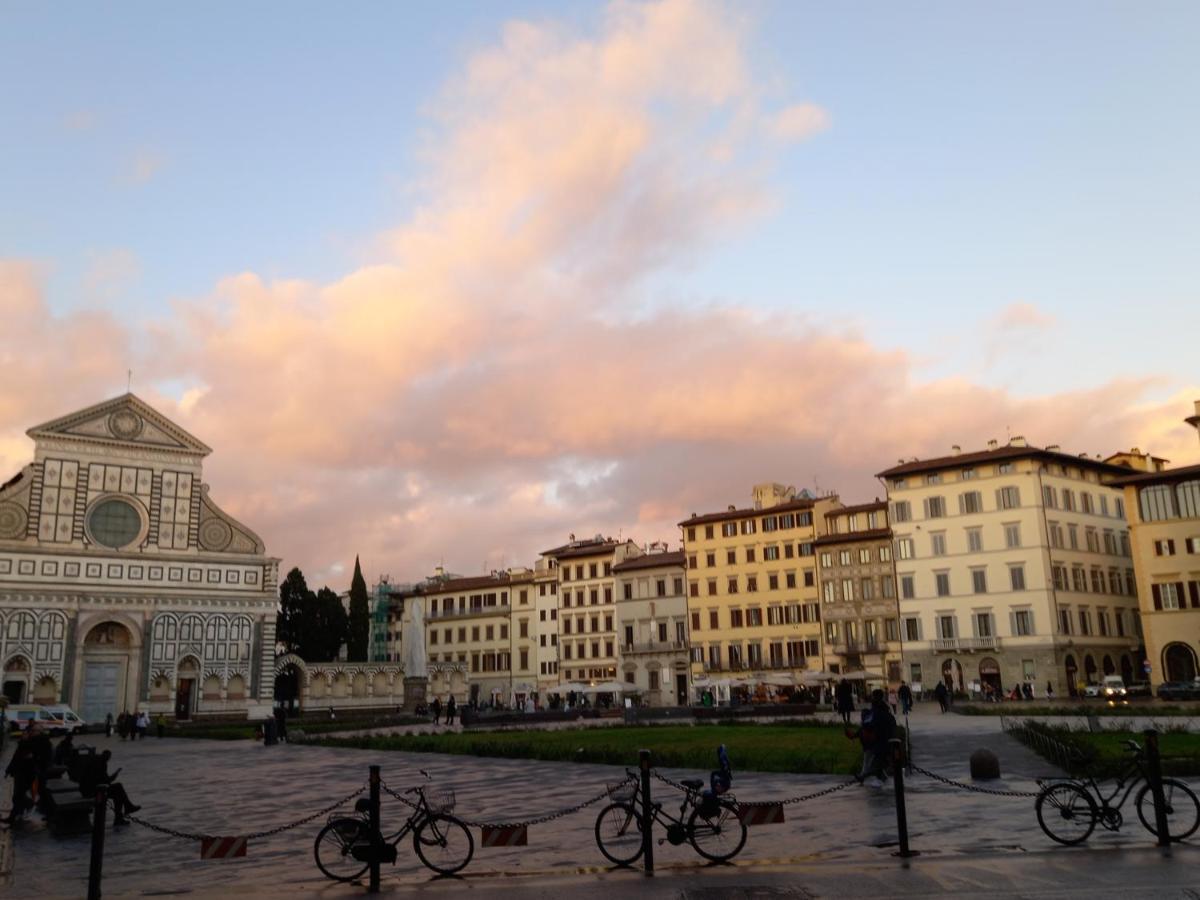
[97,774]
[450,710]
[844,700]
[943,696]
[877,729]
[22,769]
[906,698]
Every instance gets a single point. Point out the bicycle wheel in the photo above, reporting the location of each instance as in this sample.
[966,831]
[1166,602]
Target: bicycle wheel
[1066,812]
[444,844]
[1183,809]
[718,837]
[333,845]
[619,833]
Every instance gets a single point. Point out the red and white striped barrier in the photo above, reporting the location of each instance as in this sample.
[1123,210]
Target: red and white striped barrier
[222,847]
[504,836]
[760,813]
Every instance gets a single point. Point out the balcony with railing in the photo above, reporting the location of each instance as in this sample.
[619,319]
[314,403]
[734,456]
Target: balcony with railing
[500,610]
[966,644]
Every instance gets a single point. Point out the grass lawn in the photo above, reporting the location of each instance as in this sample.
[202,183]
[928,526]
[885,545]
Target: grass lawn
[811,748]
[1105,754]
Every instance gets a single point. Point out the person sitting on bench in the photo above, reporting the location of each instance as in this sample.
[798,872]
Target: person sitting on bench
[97,774]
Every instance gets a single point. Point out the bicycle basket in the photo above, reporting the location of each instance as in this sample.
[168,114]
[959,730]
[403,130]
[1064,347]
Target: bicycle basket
[440,800]
[622,791]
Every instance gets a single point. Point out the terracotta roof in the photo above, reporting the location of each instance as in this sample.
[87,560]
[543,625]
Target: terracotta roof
[1166,476]
[1000,454]
[582,548]
[651,561]
[790,506]
[871,534]
[873,506]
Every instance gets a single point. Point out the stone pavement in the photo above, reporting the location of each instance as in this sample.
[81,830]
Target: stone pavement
[231,788]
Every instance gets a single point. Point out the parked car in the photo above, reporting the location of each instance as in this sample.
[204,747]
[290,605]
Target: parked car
[1138,689]
[1179,690]
[69,718]
[1111,688]
[23,715]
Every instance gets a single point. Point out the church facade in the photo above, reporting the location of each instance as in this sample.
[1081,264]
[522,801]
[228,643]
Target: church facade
[123,585]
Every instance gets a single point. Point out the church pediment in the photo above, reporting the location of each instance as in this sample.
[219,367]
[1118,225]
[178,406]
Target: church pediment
[124,420]
[222,533]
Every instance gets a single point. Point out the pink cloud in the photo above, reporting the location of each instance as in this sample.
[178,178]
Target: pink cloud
[486,388]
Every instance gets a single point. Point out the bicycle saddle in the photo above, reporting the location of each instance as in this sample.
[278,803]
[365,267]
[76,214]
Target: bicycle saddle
[694,783]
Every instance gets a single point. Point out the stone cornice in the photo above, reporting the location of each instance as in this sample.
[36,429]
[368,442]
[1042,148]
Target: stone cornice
[32,548]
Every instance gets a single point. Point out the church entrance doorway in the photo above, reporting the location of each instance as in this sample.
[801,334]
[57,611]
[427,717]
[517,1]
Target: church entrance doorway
[16,679]
[107,654]
[185,688]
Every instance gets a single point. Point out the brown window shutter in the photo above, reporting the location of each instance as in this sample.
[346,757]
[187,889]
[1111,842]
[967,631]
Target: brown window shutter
[1155,590]
[1179,586]
[1194,593]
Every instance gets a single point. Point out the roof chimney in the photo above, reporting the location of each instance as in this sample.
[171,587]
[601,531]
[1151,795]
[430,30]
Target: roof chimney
[1018,441]
[731,507]
[957,450]
[992,445]
[1053,448]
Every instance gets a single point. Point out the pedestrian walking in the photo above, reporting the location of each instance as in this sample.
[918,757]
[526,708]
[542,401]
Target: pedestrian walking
[845,700]
[122,719]
[942,695]
[436,708]
[894,700]
[906,697]
[878,727]
[1049,691]
[450,709]
[160,725]
[143,724]
[108,725]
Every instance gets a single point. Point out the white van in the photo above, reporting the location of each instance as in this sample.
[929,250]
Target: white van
[23,715]
[1113,686]
[68,716]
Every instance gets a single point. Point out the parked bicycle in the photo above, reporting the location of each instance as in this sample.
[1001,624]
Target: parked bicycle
[1068,809]
[343,848]
[713,828]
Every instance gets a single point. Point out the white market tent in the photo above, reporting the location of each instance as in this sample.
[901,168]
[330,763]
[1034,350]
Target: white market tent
[563,689]
[611,687]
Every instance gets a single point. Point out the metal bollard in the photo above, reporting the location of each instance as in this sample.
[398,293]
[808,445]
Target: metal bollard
[376,847]
[647,812]
[96,867]
[897,747]
[1154,775]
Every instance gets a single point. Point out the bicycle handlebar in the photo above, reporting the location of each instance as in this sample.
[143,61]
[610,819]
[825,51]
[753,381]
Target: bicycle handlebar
[1133,746]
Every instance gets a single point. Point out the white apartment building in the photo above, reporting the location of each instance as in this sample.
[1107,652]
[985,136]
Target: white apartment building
[652,625]
[545,587]
[1013,565]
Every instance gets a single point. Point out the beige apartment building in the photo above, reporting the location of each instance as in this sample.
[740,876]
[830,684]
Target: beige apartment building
[587,635]
[859,606]
[1013,566]
[753,600]
[545,583]
[1163,508]
[652,625]
[480,637]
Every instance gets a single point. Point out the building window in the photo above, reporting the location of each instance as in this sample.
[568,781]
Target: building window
[912,629]
[946,627]
[1022,623]
[735,618]
[935,507]
[714,621]
[907,587]
[1164,547]
[1157,503]
[628,590]
[828,591]
[904,548]
[1085,622]
[864,555]
[751,583]
[983,624]
[826,560]
[770,553]
[937,543]
[1008,497]
[729,529]
[888,583]
[708,532]
[942,580]
[902,511]
[867,589]
[1064,621]
[885,553]
[974,540]
[732,586]
[843,557]
[979,581]
[1016,577]
[790,579]
[970,502]
[1012,535]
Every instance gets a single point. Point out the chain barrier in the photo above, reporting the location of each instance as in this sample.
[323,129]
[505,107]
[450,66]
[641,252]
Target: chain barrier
[974,788]
[550,817]
[824,792]
[255,835]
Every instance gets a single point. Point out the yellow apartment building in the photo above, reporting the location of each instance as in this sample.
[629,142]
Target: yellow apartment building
[545,584]
[652,625]
[857,579]
[1163,508]
[480,637]
[753,600]
[1014,567]
[587,630]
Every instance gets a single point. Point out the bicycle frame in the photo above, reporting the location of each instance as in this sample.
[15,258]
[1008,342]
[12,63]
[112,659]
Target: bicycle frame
[1133,772]
[421,814]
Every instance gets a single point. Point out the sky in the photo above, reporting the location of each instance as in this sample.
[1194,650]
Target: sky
[443,283]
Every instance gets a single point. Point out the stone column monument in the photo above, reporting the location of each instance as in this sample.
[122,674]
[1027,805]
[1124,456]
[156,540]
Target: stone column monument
[416,666]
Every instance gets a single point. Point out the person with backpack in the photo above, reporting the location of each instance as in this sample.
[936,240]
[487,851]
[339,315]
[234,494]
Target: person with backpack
[877,729]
